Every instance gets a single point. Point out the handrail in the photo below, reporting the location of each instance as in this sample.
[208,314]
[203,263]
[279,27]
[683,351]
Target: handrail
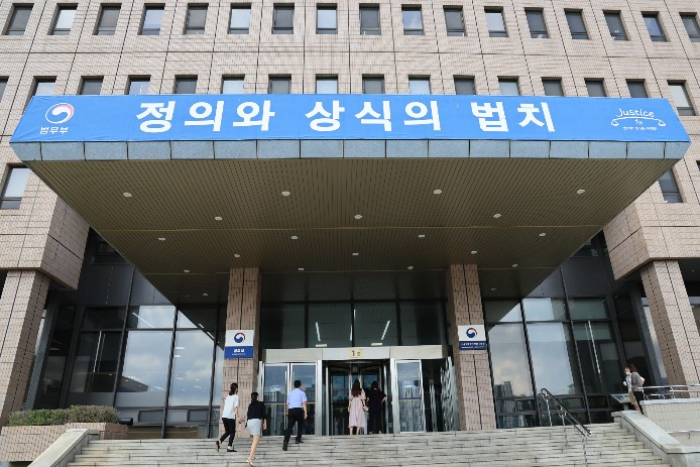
[670,391]
[565,415]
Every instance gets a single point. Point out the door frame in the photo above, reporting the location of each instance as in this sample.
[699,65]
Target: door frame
[395,391]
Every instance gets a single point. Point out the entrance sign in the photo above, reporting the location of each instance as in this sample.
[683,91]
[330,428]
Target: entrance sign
[355,353]
[348,116]
[472,337]
[239,343]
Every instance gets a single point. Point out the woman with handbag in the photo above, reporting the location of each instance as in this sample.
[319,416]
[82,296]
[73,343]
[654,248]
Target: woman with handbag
[357,409]
[255,423]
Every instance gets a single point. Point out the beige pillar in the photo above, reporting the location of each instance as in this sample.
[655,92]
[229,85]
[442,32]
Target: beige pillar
[474,389]
[21,306]
[242,312]
[674,322]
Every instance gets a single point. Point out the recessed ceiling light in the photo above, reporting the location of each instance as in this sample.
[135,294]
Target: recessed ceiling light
[185,270]
[474,252]
[496,216]
[218,218]
[515,265]
[356,254]
[543,234]
[437,191]
[161,239]
[286,193]
[205,294]
[410,268]
[301,269]
[294,237]
[580,191]
[236,255]
[126,194]
[421,235]
[358,216]
[493,289]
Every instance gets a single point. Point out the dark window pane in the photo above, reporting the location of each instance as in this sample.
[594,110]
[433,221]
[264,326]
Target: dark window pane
[15,185]
[150,317]
[412,22]
[240,20]
[375,324]
[44,87]
[552,87]
[369,21]
[282,326]
[576,25]
[637,89]
[595,88]
[680,98]
[502,311]
[3,85]
[669,187]
[535,20]
[511,372]
[138,86]
[152,21]
[509,87]
[95,368]
[280,86]
[691,26]
[330,325]
[553,358]
[544,309]
[104,318]
[599,358]
[614,22]
[196,19]
[283,20]
[108,20]
[326,20]
[654,28]
[19,20]
[495,23]
[465,86]
[193,360]
[454,21]
[373,85]
[422,323]
[186,85]
[588,308]
[91,87]
[144,375]
[64,21]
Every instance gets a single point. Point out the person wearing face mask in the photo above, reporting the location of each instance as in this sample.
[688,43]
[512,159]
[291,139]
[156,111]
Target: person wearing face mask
[634,382]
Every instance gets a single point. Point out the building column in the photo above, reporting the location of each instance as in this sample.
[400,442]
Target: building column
[242,312]
[673,320]
[474,388]
[21,306]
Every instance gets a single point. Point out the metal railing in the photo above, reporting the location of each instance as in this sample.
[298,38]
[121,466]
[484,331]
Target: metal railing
[564,414]
[671,391]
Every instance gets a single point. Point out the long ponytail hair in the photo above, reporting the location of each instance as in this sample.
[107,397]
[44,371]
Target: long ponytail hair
[233,390]
[356,389]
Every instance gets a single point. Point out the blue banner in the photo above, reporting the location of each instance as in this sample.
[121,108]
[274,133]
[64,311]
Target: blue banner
[352,116]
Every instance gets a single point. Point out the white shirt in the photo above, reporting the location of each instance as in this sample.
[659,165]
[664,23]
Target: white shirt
[230,403]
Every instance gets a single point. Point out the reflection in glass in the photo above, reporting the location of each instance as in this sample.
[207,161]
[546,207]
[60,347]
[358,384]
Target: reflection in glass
[104,318]
[196,317]
[282,326]
[192,366]
[306,373]
[410,396]
[502,311]
[330,325]
[339,395]
[588,308]
[422,323]
[151,317]
[509,365]
[275,398]
[375,324]
[544,309]
[145,370]
[553,358]
[218,382]
[598,355]
[95,369]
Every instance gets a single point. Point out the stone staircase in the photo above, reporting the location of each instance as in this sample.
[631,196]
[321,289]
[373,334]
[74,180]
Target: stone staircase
[610,446]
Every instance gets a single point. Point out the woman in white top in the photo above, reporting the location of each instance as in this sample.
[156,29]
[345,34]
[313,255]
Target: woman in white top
[229,418]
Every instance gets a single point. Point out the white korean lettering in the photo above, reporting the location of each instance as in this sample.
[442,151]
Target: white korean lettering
[63,129]
[44,130]
[487,111]
[385,120]
[327,123]
[530,110]
[202,110]
[157,110]
[421,112]
[254,110]
[53,130]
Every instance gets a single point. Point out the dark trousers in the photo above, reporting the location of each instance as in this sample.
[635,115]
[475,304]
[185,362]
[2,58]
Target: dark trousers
[294,416]
[230,427]
[639,395]
[375,422]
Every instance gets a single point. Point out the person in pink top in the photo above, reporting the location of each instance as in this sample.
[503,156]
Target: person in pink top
[357,409]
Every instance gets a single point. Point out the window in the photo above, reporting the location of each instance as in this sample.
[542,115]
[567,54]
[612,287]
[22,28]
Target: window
[327,85]
[418,85]
[15,184]
[454,21]
[3,85]
[654,27]
[107,24]
[535,20]
[680,98]
[508,87]
[327,19]
[495,23]
[465,86]
[152,20]
[669,187]
[691,26]
[64,20]
[91,87]
[576,25]
[595,88]
[637,89]
[369,21]
[240,20]
[280,85]
[412,21]
[44,86]
[138,86]
[552,87]
[372,85]
[18,20]
[186,85]
[232,85]
[614,22]
[196,19]
[283,20]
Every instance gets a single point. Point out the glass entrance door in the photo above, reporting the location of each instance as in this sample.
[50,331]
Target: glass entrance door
[338,398]
[408,388]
